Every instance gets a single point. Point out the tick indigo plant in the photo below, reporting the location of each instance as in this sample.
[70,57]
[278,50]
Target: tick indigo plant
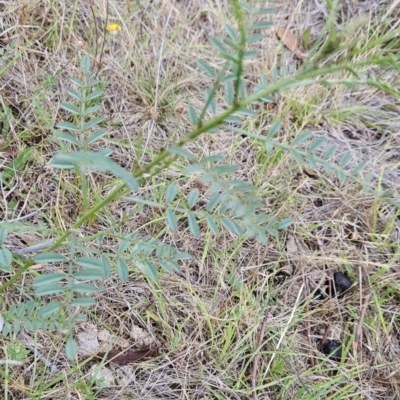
[232,205]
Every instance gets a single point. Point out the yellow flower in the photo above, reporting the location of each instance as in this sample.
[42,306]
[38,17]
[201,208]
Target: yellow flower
[113,28]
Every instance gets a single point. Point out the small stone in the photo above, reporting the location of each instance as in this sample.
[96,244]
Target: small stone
[342,282]
[333,349]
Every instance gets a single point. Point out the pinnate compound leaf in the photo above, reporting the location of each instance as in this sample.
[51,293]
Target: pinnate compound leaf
[85,64]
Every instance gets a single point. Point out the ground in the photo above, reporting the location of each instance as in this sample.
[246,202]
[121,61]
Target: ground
[241,319]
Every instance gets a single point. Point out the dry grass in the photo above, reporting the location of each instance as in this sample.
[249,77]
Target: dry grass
[206,321]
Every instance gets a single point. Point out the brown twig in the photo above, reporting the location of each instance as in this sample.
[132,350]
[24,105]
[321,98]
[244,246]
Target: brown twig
[257,357]
[361,322]
[308,323]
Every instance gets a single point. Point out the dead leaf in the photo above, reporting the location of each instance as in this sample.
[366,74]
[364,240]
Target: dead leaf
[290,41]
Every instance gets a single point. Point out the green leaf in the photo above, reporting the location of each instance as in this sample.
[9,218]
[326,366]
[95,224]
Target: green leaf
[206,68]
[329,153]
[302,137]
[77,82]
[170,194]
[92,110]
[3,235]
[275,127]
[262,25]
[49,257]
[48,278]
[84,288]
[254,38]
[296,155]
[193,197]
[17,164]
[94,95]
[316,144]
[68,138]
[122,270]
[269,10]
[231,31]
[97,135]
[217,44]
[191,113]
[166,266]
[89,274]
[246,111]
[92,123]
[95,161]
[83,302]
[193,225]
[249,54]
[345,159]
[213,202]
[268,99]
[68,125]
[181,255]
[50,289]
[306,37]
[50,309]
[227,224]
[181,152]
[71,349]
[312,162]
[73,93]
[172,221]
[212,225]
[85,64]
[284,223]
[88,262]
[269,146]
[71,108]
[328,168]
[228,92]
